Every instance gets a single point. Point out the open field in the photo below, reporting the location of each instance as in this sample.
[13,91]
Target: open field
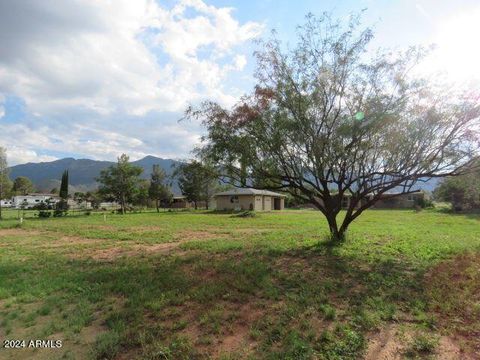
[199,285]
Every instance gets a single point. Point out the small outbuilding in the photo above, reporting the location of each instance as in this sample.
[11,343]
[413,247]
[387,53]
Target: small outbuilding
[249,199]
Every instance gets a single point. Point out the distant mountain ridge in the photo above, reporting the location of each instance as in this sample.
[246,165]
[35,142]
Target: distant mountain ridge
[82,172]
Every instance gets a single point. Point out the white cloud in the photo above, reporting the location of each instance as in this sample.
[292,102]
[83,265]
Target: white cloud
[20,155]
[107,56]
[94,62]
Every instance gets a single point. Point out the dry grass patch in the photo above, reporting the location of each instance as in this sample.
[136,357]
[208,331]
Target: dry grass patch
[454,289]
[396,342]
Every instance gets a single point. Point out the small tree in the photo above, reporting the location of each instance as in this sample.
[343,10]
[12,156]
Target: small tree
[64,186]
[5,183]
[141,196]
[22,185]
[120,181]
[62,205]
[325,121]
[463,192]
[158,190]
[196,181]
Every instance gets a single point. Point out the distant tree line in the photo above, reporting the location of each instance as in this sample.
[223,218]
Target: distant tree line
[121,183]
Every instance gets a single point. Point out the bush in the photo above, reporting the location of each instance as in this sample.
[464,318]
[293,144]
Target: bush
[246,214]
[44,214]
[424,203]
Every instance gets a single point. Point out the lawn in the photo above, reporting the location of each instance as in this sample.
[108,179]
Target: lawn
[201,285]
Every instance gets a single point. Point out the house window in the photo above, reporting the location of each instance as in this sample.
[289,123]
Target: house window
[410,197]
[234,199]
[37,200]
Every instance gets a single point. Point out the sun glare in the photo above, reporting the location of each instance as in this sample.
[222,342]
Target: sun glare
[458,47]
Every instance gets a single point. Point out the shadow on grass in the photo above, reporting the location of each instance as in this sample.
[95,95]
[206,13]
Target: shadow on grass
[310,300]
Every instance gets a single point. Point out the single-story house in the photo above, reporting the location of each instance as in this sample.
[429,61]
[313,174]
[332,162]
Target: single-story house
[403,201]
[387,201]
[31,200]
[249,199]
[180,202]
[391,200]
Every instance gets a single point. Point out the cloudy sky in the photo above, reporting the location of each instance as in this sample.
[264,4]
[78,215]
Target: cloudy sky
[93,79]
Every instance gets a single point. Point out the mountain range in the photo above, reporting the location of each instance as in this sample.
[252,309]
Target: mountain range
[82,172]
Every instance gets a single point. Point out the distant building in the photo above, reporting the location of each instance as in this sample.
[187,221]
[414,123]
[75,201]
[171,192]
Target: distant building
[249,199]
[7,203]
[391,200]
[29,201]
[180,202]
[75,205]
[106,205]
[403,201]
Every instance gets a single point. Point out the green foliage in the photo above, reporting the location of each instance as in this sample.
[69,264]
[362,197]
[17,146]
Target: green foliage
[107,345]
[64,186]
[120,182]
[325,118]
[343,344]
[422,345]
[463,192]
[158,190]
[22,185]
[196,181]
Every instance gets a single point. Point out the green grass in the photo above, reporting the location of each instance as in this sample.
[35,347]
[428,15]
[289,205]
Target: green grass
[203,285]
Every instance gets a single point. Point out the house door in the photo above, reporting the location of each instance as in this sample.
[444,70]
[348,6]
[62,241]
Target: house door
[276,204]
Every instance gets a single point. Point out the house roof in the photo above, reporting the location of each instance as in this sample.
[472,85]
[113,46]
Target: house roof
[248,191]
[38,194]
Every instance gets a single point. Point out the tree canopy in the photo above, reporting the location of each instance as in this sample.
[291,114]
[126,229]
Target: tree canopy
[463,192]
[120,181]
[158,190]
[196,181]
[326,120]
[22,185]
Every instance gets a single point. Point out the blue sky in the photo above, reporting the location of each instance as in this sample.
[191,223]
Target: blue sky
[89,79]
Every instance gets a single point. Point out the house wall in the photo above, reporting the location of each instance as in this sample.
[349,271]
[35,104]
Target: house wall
[267,203]
[6,203]
[406,201]
[258,203]
[31,200]
[246,202]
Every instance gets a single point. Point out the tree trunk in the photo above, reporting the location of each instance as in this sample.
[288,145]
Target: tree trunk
[157,204]
[195,203]
[0,208]
[336,234]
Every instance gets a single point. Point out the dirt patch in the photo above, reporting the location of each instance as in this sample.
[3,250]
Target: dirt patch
[189,235]
[71,240]
[393,342]
[135,250]
[385,345]
[18,232]
[238,337]
[453,287]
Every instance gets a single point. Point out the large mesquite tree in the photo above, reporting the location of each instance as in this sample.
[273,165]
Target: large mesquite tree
[326,120]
